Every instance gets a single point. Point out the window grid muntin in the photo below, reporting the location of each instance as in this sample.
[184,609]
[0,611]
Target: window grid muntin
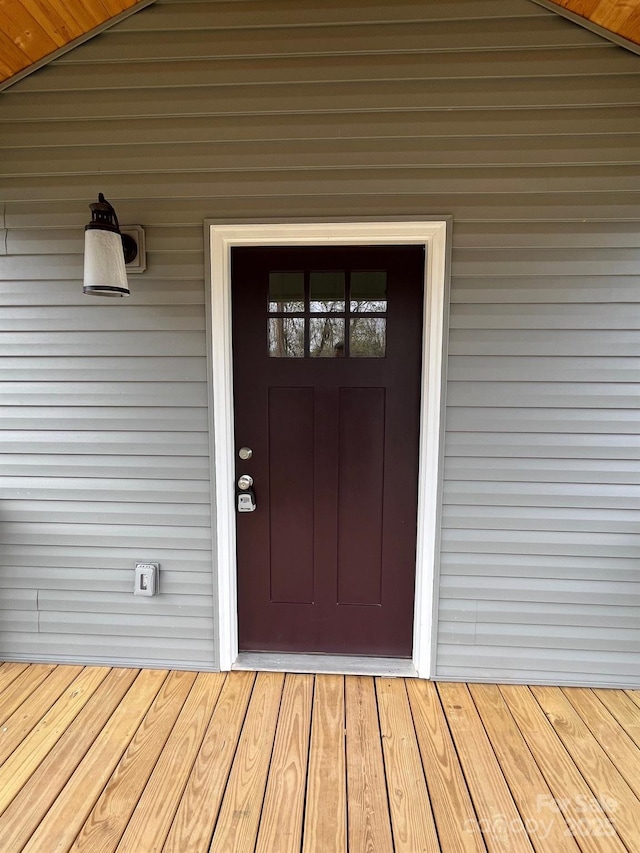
[347,315]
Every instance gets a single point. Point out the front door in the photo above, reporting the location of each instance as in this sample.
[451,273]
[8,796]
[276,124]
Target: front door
[327,364]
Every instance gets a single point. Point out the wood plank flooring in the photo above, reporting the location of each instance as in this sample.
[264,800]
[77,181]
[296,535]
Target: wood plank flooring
[116,760]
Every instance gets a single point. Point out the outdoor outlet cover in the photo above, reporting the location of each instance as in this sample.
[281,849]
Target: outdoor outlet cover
[146,579]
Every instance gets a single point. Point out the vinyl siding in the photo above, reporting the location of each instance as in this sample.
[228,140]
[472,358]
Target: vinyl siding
[521,125]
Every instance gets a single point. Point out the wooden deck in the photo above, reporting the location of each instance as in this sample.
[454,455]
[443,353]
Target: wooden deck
[98,759]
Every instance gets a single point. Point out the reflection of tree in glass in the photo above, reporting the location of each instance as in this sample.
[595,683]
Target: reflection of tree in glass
[286,337]
[362,307]
[324,306]
[326,336]
[279,347]
[368,337]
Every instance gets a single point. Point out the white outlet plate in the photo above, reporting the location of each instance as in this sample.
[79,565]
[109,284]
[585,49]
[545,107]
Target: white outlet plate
[146,579]
[139,264]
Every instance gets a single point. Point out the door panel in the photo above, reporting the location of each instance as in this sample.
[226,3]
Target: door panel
[361,414]
[327,355]
[291,416]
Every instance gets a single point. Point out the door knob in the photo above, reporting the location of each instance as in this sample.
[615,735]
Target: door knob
[245,482]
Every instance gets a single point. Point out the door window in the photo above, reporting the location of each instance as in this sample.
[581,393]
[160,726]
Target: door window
[327,314]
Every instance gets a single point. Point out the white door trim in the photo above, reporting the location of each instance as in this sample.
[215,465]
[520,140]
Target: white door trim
[222,238]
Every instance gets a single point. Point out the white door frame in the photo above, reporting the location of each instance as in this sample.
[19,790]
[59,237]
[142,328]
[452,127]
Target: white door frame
[433,234]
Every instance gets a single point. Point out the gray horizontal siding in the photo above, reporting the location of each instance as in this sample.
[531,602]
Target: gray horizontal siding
[19,599]
[148,467]
[101,417]
[529,180]
[523,568]
[482,419]
[107,512]
[52,319]
[591,471]
[545,445]
[104,393]
[570,597]
[101,343]
[186,14]
[95,369]
[521,125]
[572,519]
[479,33]
[541,342]
[118,489]
[17,622]
[591,370]
[216,157]
[527,494]
[475,65]
[537,635]
[110,646]
[570,667]
[180,444]
[545,206]
[90,557]
[357,96]
[99,583]
[548,542]
[95,535]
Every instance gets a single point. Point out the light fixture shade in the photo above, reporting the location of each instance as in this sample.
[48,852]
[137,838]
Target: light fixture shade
[104,272]
[104,269]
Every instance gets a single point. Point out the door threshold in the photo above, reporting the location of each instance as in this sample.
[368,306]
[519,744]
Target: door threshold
[325,664]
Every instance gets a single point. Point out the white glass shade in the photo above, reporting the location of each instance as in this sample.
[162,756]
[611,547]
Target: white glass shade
[104,270]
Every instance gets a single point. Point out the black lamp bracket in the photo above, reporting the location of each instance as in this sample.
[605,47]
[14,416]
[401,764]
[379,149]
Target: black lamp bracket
[129,247]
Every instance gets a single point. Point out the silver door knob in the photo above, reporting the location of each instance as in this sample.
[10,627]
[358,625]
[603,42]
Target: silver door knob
[245,482]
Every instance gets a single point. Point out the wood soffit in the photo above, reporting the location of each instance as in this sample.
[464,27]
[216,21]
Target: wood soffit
[31,30]
[619,17]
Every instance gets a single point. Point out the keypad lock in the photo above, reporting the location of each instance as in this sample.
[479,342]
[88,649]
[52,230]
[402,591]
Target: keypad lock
[245,496]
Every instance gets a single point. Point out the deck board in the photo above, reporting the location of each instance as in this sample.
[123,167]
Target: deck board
[35,798]
[111,814]
[150,814]
[623,709]
[283,808]
[27,716]
[497,812]
[453,810]
[411,816]
[66,816]
[570,793]
[9,672]
[30,753]
[369,826]
[602,776]
[197,813]
[18,685]
[521,772]
[326,813]
[620,748]
[237,827]
[114,760]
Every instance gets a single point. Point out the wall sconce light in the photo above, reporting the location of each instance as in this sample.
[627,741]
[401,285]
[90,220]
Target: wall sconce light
[107,250]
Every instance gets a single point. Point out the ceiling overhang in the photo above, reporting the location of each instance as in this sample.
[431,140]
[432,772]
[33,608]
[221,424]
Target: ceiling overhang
[616,20]
[33,32]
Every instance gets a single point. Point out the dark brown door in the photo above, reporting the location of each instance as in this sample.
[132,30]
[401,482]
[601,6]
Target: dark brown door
[327,354]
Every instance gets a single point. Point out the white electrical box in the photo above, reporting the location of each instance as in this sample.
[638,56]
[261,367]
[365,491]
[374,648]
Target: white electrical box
[147,579]
[136,232]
